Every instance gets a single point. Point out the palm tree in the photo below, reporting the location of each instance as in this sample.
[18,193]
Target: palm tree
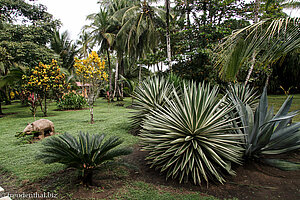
[85,41]
[103,33]
[268,41]
[64,47]
[139,28]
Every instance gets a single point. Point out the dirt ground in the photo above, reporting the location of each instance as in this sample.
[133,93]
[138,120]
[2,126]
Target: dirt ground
[253,181]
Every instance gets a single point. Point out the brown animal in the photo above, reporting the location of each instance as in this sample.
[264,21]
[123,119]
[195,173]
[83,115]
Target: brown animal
[40,126]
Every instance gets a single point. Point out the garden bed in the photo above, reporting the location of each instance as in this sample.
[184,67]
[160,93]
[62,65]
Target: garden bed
[253,181]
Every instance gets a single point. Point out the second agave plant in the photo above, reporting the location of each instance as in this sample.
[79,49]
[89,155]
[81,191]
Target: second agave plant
[191,136]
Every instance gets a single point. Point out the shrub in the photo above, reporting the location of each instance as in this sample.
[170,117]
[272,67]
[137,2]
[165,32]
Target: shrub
[191,136]
[71,101]
[266,133]
[86,153]
[150,94]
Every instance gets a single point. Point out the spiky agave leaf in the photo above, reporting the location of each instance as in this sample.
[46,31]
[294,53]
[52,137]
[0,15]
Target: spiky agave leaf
[87,152]
[190,137]
[245,93]
[266,133]
[151,93]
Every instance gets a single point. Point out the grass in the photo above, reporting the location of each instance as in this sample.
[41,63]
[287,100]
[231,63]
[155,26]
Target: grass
[19,159]
[141,190]
[277,100]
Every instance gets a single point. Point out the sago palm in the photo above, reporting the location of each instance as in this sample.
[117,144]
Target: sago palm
[86,153]
[191,136]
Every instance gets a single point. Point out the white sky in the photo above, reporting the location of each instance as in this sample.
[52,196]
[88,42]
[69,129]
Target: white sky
[72,13]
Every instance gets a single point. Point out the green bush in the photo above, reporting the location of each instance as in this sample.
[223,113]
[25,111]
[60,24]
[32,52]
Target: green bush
[86,153]
[192,136]
[71,101]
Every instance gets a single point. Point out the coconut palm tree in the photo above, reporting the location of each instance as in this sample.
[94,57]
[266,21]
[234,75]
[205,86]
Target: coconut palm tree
[62,45]
[268,41]
[85,43]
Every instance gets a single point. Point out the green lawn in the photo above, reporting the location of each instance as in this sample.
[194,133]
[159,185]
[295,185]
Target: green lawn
[19,159]
[277,100]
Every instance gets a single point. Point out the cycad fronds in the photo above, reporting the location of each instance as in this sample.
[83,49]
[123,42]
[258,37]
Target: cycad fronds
[85,153]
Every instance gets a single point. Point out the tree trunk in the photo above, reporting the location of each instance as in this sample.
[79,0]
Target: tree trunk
[1,113]
[168,34]
[87,177]
[116,79]
[267,80]
[110,74]
[256,10]
[251,69]
[92,113]
[122,72]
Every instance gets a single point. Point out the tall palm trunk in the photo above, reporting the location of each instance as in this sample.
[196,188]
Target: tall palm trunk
[251,69]
[140,73]
[110,74]
[116,79]
[168,34]
[256,12]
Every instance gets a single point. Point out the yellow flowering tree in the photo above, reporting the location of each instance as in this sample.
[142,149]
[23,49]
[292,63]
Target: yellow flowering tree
[91,72]
[43,80]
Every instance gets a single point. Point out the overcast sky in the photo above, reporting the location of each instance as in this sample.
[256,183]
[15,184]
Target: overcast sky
[72,13]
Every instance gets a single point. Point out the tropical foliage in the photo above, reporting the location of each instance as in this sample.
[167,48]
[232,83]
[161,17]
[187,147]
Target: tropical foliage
[245,93]
[266,133]
[85,153]
[191,136]
[267,41]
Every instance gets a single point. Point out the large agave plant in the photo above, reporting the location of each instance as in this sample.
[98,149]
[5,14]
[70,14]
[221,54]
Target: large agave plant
[86,153]
[266,133]
[150,94]
[190,137]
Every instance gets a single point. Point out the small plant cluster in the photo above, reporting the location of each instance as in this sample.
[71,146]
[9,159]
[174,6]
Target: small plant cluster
[71,101]
[193,134]
[40,82]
